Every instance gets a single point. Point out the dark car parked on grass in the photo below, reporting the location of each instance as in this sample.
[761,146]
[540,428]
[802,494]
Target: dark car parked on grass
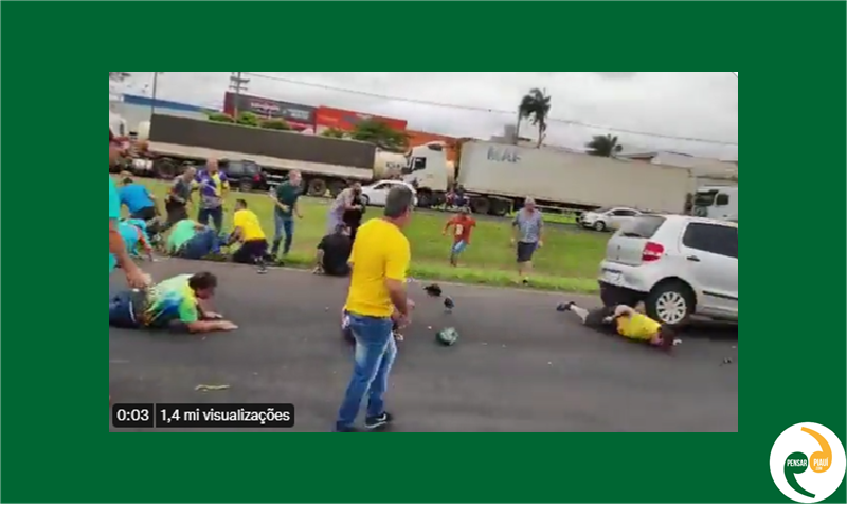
[244,175]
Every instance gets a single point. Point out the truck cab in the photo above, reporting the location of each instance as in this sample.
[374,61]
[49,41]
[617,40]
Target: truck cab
[717,202]
[427,170]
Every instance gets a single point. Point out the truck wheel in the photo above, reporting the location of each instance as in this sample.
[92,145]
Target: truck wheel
[599,226]
[316,187]
[480,205]
[246,186]
[671,302]
[499,208]
[166,168]
[335,188]
[424,200]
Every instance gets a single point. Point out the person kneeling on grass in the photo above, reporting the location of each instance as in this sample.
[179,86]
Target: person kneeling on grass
[177,303]
[333,252]
[253,248]
[135,238]
[192,241]
[626,322]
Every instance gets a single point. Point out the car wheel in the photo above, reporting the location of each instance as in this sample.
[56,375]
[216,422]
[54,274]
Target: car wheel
[365,200]
[671,303]
[599,226]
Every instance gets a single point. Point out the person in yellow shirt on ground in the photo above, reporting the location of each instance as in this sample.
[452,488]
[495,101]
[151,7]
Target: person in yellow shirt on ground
[253,246]
[626,322]
[379,262]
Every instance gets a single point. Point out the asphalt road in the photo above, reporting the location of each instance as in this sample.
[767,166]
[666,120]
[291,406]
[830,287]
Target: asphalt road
[518,366]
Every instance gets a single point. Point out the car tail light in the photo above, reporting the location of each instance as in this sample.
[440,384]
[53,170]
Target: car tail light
[256,177]
[653,251]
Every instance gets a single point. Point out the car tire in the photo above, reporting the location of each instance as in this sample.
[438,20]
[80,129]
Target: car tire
[671,303]
[599,226]
[365,200]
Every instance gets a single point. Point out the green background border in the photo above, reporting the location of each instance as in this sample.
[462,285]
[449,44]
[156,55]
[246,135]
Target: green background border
[55,446]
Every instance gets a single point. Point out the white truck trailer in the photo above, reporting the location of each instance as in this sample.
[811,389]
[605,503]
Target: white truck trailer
[497,177]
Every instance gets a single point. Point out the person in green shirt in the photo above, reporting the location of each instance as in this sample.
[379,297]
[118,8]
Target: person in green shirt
[192,241]
[285,197]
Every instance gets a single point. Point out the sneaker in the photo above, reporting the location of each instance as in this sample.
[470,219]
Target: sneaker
[380,422]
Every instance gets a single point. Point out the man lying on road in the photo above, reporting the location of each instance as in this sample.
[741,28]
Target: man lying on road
[626,322]
[179,303]
[333,252]
[192,241]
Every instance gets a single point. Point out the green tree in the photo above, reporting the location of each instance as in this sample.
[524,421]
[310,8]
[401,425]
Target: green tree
[220,117]
[248,119]
[604,146]
[535,106]
[334,133]
[381,135]
[275,124]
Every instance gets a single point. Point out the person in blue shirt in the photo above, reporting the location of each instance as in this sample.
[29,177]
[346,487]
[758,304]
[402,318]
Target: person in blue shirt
[138,200]
[118,254]
[135,238]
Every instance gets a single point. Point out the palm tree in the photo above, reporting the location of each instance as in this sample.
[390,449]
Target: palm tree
[535,105]
[604,146]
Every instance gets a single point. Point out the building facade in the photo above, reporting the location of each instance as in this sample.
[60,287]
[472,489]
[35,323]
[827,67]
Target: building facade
[346,120]
[135,109]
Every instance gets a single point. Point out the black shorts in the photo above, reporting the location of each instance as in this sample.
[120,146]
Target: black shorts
[145,214]
[251,251]
[525,251]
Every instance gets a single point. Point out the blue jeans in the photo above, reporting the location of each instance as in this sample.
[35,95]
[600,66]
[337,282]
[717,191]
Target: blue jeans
[203,243]
[215,213]
[374,355]
[283,225]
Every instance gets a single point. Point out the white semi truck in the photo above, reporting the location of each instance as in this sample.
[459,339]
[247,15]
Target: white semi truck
[497,177]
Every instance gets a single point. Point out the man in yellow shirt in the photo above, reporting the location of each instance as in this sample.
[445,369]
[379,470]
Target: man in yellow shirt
[626,322]
[379,260]
[250,235]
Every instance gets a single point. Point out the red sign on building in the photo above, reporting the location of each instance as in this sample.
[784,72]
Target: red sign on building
[346,120]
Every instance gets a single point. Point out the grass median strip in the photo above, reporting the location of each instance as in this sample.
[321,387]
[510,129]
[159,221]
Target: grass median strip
[568,260]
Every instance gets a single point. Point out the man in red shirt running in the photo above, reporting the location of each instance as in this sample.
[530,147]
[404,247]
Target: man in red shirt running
[461,225]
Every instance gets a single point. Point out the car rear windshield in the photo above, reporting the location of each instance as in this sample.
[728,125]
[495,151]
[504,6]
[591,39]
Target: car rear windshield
[642,226]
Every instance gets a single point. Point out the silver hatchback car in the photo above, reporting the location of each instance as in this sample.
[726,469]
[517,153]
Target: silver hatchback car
[679,266]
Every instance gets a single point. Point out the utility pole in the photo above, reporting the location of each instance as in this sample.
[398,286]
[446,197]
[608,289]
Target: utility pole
[153,91]
[238,84]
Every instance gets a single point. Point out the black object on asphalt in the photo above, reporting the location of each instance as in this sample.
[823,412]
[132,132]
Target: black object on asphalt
[449,303]
[434,291]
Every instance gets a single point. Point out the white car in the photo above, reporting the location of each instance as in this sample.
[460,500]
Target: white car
[679,266]
[376,194]
[607,218]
